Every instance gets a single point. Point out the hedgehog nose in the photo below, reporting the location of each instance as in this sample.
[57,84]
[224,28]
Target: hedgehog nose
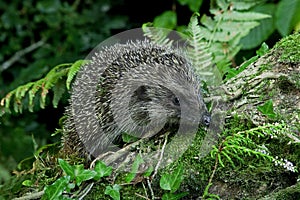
[206,119]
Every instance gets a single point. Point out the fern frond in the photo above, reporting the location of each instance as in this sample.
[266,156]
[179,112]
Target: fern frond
[198,52]
[239,16]
[245,143]
[246,5]
[216,40]
[157,35]
[229,24]
[24,96]
[73,71]
[58,90]
[238,4]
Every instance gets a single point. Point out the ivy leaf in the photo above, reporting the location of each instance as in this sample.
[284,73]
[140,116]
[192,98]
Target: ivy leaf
[113,192]
[231,72]
[263,49]
[54,191]
[68,169]
[148,172]
[127,138]
[70,186]
[134,170]
[267,109]
[82,174]
[171,196]
[172,181]
[102,170]
[27,183]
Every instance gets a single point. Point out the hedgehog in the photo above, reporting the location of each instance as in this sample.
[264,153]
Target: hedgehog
[139,88]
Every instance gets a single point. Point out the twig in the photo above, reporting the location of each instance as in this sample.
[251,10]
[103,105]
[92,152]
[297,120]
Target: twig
[141,196]
[296,140]
[36,195]
[214,169]
[19,54]
[85,191]
[145,190]
[161,156]
[150,188]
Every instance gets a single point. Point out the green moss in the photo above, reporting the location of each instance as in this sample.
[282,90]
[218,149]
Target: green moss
[292,192]
[295,77]
[289,48]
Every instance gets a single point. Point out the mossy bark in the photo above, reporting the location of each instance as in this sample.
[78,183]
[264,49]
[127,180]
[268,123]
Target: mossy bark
[275,77]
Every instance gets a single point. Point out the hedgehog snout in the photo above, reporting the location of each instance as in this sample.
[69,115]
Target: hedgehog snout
[206,119]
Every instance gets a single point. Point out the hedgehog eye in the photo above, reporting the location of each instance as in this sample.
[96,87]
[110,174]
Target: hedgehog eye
[175,101]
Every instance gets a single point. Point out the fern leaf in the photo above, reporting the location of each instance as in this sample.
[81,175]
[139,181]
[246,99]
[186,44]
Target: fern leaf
[239,16]
[73,71]
[224,153]
[220,160]
[34,89]
[200,54]
[58,90]
[16,98]
[5,102]
[198,48]
[238,4]
[157,35]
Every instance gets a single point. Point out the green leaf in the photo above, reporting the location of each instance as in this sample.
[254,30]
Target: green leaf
[68,169]
[102,170]
[172,181]
[47,6]
[127,138]
[171,196]
[287,16]
[157,35]
[70,186]
[260,33]
[27,183]
[228,158]
[220,160]
[82,174]
[240,16]
[233,72]
[113,192]
[246,5]
[267,109]
[263,49]
[54,191]
[167,19]
[199,53]
[148,172]
[194,5]
[58,90]
[73,71]
[135,167]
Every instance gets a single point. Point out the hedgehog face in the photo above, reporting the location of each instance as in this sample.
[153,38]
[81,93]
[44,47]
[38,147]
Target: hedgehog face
[159,103]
